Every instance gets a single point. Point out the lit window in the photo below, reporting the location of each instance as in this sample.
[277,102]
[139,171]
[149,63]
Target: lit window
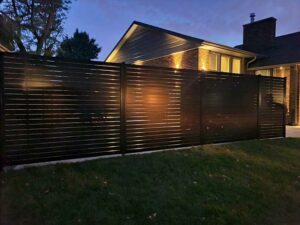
[236,65]
[213,61]
[225,66]
[263,72]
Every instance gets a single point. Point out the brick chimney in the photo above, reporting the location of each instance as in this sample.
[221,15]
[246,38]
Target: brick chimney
[259,35]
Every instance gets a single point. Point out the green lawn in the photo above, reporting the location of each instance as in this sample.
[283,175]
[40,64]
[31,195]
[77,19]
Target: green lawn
[251,182]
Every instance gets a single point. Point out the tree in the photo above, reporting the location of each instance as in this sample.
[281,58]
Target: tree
[38,24]
[80,46]
[6,32]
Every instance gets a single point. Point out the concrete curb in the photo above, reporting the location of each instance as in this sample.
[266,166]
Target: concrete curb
[69,161]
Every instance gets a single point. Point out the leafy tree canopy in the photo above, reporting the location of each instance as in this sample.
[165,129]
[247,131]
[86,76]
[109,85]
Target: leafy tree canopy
[6,33]
[37,24]
[80,46]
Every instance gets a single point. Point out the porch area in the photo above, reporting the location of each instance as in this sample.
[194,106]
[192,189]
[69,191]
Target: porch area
[292,74]
[293,131]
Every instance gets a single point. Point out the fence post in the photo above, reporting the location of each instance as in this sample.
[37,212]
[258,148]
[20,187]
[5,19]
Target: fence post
[258,103]
[2,126]
[201,109]
[123,89]
[284,107]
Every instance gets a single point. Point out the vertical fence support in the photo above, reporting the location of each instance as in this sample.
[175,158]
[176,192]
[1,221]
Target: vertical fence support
[2,125]
[202,130]
[284,108]
[258,104]
[123,89]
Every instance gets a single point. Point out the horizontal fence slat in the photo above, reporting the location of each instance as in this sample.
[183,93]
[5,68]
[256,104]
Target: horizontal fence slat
[63,109]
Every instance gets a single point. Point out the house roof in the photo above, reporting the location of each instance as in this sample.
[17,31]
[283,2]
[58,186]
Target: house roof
[193,42]
[285,50]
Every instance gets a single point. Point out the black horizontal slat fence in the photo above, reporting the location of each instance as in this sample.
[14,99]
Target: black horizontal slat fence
[54,109]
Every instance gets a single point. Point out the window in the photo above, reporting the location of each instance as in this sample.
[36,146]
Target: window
[236,65]
[225,64]
[263,72]
[213,61]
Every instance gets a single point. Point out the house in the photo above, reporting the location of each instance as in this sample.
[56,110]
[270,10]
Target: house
[262,53]
[150,45]
[278,56]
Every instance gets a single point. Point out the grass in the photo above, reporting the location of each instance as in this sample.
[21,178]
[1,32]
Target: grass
[251,182]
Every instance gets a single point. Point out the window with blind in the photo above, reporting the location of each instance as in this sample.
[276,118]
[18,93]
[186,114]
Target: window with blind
[213,61]
[225,64]
[236,65]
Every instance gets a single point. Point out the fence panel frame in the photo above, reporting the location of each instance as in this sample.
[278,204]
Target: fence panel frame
[2,113]
[123,95]
[284,108]
[258,105]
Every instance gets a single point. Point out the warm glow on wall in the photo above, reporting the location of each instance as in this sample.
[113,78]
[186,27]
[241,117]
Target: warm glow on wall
[35,80]
[155,101]
[36,84]
[152,99]
[39,83]
[138,62]
[203,59]
[177,59]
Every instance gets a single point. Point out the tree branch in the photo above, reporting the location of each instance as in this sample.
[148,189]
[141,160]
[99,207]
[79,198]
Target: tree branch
[46,31]
[18,33]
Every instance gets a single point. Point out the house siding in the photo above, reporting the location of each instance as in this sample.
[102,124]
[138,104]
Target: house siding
[184,60]
[146,43]
[203,63]
[195,59]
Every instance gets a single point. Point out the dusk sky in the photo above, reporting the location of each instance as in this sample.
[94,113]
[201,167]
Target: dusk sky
[214,20]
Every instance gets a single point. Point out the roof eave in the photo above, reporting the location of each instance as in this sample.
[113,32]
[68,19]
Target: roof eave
[123,39]
[246,53]
[201,42]
[274,65]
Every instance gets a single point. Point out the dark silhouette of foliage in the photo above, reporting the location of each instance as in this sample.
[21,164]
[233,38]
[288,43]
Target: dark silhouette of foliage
[37,24]
[80,46]
[6,33]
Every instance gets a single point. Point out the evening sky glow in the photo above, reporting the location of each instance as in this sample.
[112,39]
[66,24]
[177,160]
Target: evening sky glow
[216,20]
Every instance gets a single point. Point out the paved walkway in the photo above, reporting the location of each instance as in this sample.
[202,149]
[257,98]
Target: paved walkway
[293,131]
